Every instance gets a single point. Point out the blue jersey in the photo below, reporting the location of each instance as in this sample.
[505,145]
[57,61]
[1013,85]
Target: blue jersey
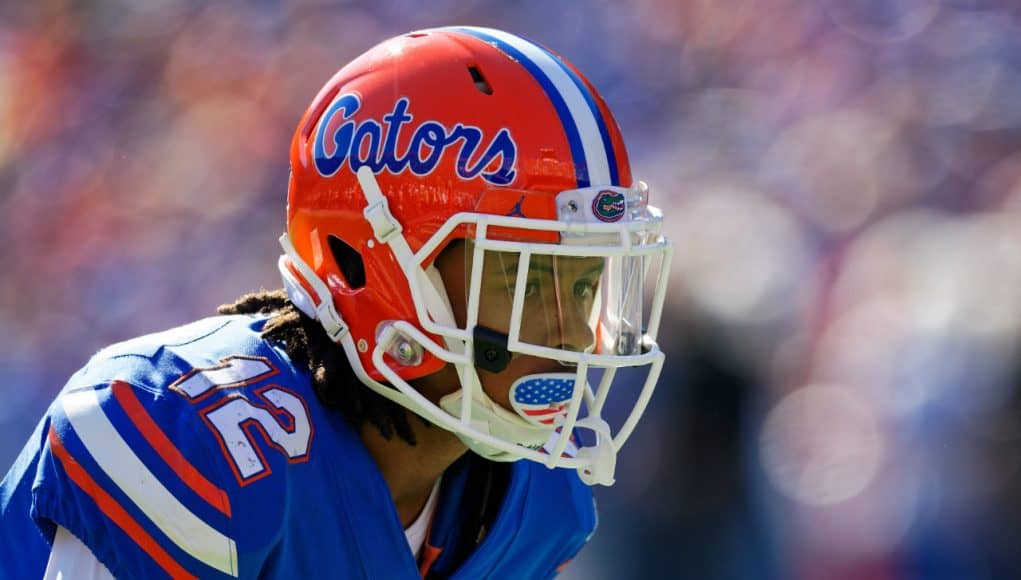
[202,452]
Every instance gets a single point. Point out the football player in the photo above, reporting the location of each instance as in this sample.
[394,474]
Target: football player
[466,264]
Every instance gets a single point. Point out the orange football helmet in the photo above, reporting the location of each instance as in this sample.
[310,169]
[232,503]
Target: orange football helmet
[479,135]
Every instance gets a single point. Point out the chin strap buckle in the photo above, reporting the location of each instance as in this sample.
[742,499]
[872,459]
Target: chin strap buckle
[384,225]
[377,212]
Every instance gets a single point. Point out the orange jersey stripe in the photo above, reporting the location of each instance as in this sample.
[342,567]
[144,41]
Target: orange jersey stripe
[113,510]
[428,557]
[213,495]
[429,553]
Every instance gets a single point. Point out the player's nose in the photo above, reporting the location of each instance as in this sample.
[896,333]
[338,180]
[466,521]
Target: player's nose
[573,332]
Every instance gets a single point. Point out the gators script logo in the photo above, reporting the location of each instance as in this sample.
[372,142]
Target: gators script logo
[608,206]
[340,138]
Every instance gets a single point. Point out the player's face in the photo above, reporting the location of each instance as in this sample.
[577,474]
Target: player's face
[559,300]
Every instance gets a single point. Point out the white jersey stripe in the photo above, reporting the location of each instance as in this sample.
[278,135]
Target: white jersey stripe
[127,471]
[584,118]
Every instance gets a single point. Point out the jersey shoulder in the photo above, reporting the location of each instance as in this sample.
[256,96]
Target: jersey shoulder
[218,348]
[149,450]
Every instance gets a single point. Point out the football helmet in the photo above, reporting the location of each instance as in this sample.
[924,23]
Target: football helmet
[480,143]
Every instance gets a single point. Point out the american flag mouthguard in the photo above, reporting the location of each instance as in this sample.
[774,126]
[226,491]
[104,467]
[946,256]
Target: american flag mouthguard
[543,399]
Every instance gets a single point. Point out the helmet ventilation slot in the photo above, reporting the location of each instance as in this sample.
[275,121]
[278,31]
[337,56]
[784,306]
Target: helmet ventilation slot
[349,261]
[480,81]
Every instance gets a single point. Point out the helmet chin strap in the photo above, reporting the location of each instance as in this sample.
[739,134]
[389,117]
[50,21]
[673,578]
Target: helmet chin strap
[489,417]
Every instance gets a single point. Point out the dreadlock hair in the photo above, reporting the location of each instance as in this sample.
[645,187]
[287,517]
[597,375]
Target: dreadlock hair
[335,383]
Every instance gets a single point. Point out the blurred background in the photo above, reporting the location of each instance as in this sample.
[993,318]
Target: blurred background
[842,179]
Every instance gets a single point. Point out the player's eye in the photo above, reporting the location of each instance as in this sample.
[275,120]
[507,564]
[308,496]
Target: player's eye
[584,289]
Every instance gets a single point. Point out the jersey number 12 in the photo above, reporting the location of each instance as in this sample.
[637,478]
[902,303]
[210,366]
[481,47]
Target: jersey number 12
[272,413]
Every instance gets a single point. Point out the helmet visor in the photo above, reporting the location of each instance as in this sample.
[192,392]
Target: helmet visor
[558,302]
[568,303]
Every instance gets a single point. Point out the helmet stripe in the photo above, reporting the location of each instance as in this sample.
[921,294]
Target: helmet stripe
[584,126]
[604,133]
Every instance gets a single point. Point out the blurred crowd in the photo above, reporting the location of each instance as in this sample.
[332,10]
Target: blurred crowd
[842,180]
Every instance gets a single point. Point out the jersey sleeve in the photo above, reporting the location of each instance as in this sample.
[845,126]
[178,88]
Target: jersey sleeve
[127,472]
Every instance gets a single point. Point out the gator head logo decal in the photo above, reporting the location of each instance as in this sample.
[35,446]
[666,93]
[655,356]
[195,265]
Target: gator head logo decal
[608,206]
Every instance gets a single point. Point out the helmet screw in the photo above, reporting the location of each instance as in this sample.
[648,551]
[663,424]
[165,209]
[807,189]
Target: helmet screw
[490,354]
[405,351]
[401,348]
[572,205]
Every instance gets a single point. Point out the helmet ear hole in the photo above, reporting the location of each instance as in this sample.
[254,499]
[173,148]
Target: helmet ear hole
[349,261]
